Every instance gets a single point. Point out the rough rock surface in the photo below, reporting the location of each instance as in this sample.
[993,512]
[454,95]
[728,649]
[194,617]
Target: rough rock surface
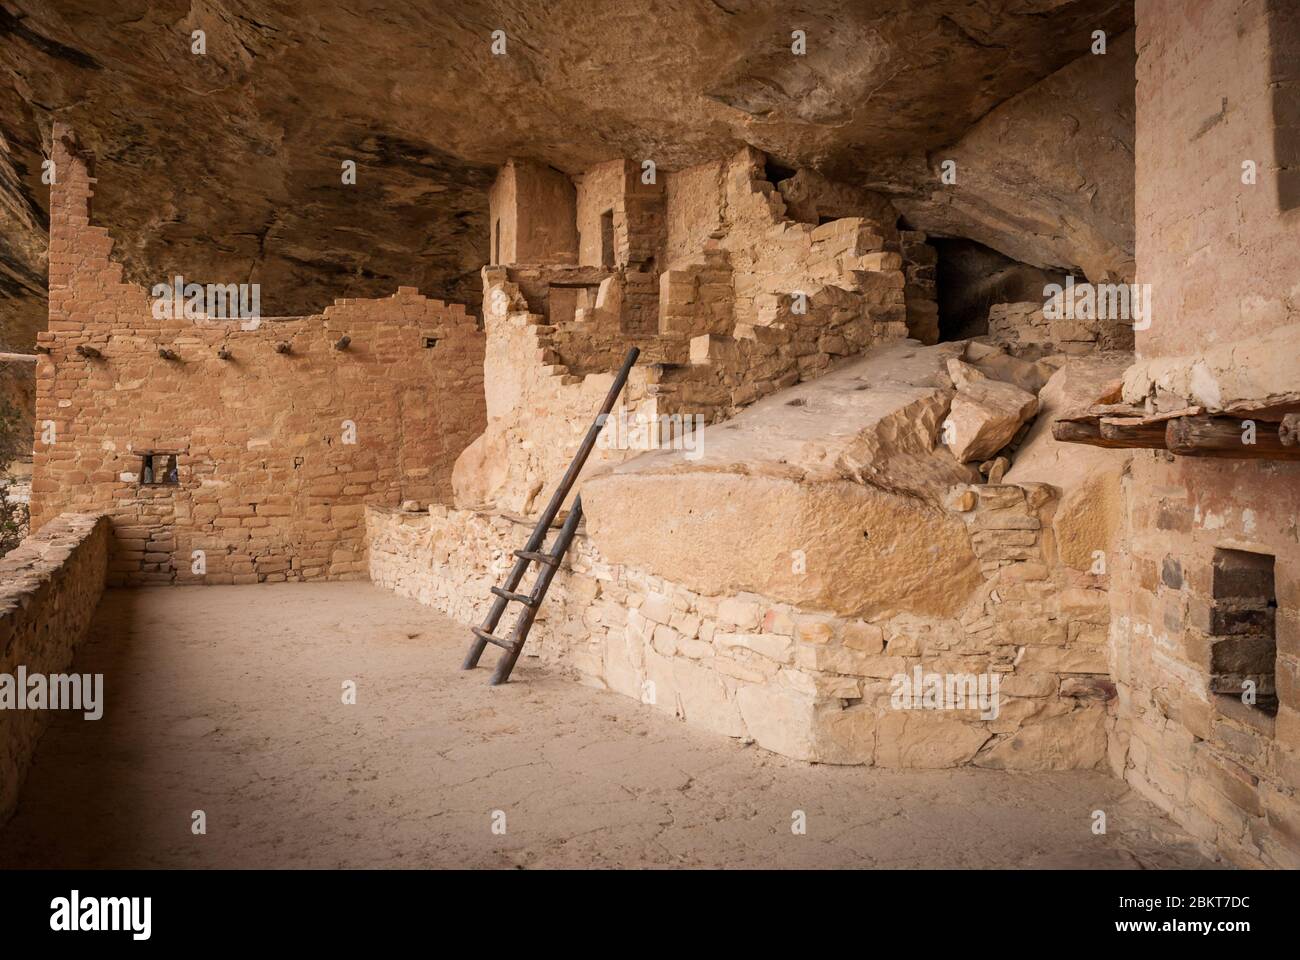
[1047,177]
[244,143]
[842,471]
[1089,513]
[985,414]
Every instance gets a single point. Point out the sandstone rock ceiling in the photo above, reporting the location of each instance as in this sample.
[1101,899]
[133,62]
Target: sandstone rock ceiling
[225,167]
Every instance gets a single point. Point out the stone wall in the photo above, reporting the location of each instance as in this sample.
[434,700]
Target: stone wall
[49,588]
[1219,253]
[532,215]
[920,261]
[693,208]
[543,385]
[280,437]
[1226,771]
[1025,328]
[636,211]
[763,303]
[1221,257]
[807,684]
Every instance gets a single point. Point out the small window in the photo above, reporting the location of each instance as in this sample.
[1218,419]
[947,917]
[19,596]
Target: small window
[1243,641]
[1284,71]
[159,469]
[429,342]
[496,241]
[607,239]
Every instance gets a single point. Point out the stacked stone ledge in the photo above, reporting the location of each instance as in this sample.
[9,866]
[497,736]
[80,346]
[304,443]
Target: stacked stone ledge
[49,587]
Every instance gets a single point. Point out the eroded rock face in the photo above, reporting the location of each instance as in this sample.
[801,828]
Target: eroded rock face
[1047,177]
[866,552]
[827,499]
[225,166]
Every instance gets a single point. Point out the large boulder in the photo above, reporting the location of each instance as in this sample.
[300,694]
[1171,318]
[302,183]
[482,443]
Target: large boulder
[827,495]
[985,414]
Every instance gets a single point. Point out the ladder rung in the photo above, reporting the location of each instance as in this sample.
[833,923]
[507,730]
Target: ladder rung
[484,635]
[537,557]
[523,598]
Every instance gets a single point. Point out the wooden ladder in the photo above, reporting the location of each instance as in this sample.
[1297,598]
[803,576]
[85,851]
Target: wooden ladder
[549,561]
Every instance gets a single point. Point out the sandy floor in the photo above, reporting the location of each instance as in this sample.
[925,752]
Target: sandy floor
[228,700]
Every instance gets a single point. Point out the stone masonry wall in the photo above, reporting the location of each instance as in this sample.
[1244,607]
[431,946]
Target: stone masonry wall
[1219,253]
[1221,258]
[638,216]
[1226,771]
[278,452]
[732,328]
[532,209]
[49,588]
[804,683]
[1025,328]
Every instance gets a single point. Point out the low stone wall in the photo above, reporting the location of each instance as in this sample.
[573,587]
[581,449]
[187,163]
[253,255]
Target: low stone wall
[805,684]
[49,588]
[1026,326]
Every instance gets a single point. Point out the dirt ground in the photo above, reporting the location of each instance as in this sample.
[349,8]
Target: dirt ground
[229,700]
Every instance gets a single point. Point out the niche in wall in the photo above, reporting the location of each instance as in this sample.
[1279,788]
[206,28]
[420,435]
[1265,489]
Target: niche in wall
[1243,618]
[607,239]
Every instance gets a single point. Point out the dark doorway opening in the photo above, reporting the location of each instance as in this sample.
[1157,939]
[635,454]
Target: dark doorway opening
[970,278]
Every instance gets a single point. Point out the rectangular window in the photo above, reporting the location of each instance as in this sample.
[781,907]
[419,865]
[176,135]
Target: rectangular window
[159,469]
[1243,615]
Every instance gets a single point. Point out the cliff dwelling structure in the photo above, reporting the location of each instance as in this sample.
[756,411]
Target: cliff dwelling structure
[951,469]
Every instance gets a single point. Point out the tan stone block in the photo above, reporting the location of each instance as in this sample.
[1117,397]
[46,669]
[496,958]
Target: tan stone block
[926,739]
[657,608]
[1071,741]
[1044,659]
[864,637]
[774,646]
[814,630]
[743,614]
[779,719]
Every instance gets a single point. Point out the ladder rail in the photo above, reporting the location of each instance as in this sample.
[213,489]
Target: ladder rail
[525,622]
[538,536]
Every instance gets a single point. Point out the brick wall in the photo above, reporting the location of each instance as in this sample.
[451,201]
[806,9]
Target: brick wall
[639,231]
[533,220]
[270,485]
[1221,257]
[49,587]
